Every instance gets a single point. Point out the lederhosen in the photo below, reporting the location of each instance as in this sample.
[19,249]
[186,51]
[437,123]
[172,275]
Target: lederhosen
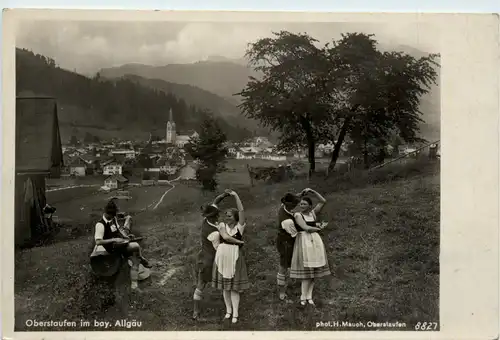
[109,234]
[284,241]
[206,256]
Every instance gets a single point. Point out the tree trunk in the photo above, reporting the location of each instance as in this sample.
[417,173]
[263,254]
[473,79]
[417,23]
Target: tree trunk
[312,160]
[338,145]
[365,156]
[306,124]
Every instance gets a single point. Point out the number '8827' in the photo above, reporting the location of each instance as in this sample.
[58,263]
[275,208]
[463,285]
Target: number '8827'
[426,326]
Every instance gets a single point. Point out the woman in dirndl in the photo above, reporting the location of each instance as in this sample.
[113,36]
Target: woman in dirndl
[230,270]
[309,260]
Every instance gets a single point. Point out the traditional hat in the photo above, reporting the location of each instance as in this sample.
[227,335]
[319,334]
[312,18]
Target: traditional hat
[209,211]
[111,208]
[290,198]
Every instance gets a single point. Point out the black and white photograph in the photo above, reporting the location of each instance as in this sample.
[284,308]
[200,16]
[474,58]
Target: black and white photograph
[227,176]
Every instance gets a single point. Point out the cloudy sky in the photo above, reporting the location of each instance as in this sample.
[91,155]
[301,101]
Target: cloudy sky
[88,46]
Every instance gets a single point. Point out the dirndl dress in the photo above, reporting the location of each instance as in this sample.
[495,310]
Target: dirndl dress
[230,270]
[309,258]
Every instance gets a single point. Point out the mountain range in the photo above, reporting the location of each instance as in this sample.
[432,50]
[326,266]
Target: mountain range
[197,97]
[118,95]
[224,77]
[130,107]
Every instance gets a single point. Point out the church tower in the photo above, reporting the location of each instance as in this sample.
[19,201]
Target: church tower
[171,132]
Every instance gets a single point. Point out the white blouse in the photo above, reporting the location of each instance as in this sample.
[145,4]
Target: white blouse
[289,225]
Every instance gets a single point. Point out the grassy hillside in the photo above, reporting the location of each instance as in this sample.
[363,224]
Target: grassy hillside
[382,243]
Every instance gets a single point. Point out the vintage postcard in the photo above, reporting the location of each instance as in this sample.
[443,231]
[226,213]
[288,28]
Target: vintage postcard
[249,174]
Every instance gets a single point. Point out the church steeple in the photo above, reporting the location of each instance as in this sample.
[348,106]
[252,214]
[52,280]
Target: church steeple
[171,131]
[170,116]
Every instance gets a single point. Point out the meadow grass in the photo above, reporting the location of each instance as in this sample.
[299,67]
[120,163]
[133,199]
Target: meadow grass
[382,242]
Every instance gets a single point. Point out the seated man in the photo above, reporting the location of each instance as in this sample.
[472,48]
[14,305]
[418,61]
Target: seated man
[109,235]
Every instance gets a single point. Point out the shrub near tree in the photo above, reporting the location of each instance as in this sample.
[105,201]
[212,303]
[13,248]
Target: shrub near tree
[209,150]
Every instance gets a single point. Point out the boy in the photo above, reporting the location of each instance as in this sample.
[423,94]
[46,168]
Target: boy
[285,241]
[206,254]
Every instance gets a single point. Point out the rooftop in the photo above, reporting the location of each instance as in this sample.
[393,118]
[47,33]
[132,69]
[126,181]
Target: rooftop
[38,140]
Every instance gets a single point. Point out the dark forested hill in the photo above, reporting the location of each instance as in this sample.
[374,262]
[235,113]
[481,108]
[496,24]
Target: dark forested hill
[201,98]
[114,108]
[196,96]
[221,77]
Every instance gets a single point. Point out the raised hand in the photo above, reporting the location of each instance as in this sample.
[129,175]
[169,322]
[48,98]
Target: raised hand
[230,192]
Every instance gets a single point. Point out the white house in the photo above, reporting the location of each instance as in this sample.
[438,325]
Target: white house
[188,172]
[168,167]
[261,142]
[115,182]
[326,148]
[153,169]
[78,167]
[245,155]
[273,156]
[112,169]
[251,149]
[130,154]
[182,140]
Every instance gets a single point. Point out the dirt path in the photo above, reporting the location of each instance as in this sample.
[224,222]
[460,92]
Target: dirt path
[73,187]
[166,192]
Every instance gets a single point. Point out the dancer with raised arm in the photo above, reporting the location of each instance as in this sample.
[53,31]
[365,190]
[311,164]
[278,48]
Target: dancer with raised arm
[230,270]
[309,260]
[206,254]
[285,241]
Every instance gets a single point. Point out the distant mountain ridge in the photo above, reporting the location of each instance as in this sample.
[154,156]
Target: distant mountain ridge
[195,95]
[122,108]
[200,98]
[225,76]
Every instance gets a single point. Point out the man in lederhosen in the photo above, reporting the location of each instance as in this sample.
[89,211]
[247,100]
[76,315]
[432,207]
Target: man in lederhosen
[109,235]
[285,241]
[206,255]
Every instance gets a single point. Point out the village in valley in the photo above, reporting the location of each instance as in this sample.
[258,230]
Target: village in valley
[121,163]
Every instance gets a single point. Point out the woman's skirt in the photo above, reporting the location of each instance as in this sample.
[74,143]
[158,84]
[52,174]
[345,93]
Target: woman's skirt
[309,258]
[239,281]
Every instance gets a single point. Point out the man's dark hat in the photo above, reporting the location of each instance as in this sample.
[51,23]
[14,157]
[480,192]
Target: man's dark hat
[290,198]
[209,211]
[111,208]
